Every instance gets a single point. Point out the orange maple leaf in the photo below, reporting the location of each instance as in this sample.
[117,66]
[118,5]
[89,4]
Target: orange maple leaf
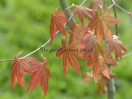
[99,67]
[56,23]
[108,59]
[101,25]
[40,74]
[96,4]
[91,45]
[70,54]
[83,12]
[87,77]
[76,32]
[19,67]
[102,82]
[116,45]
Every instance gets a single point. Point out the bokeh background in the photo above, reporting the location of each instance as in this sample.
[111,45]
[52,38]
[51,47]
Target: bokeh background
[24,25]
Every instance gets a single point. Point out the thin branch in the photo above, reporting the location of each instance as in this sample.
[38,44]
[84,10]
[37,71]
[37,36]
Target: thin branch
[127,55]
[39,47]
[115,4]
[6,60]
[129,13]
[113,1]
[44,43]
[111,6]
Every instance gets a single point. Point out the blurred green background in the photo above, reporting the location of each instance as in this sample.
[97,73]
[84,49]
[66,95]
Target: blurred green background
[24,25]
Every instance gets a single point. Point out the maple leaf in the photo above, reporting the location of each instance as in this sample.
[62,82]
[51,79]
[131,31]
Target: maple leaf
[83,12]
[69,54]
[108,59]
[56,23]
[101,25]
[92,46]
[19,67]
[99,67]
[116,45]
[102,82]
[76,32]
[96,4]
[40,74]
[87,77]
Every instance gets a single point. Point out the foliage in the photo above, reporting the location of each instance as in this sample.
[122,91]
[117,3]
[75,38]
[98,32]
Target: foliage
[56,20]
[96,29]
[45,55]
[39,72]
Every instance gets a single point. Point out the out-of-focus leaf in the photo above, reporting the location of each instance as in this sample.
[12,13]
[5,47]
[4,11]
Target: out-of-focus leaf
[116,45]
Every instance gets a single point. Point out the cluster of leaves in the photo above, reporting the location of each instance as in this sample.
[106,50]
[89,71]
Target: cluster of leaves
[39,72]
[84,40]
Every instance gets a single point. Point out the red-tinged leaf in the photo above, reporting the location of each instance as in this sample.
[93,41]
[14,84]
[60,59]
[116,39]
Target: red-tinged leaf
[19,67]
[69,54]
[96,4]
[116,45]
[83,12]
[92,46]
[65,63]
[76,32]
[56,23]
[87,77]
[108,59]
[101,25]
[101,85]
[99,67]
[105,70]
[59,52]
[40,75]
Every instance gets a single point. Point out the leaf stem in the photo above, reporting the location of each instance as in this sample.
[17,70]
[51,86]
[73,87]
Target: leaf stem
[127,55]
